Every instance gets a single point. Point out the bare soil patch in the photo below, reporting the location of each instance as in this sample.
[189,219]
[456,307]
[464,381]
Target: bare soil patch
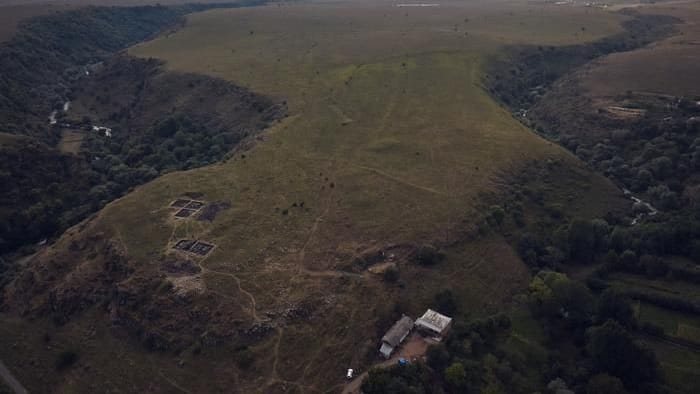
[187,285]
[180,266]
[210,210]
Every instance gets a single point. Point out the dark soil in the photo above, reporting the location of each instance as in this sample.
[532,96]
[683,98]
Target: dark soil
[210,210]
[177,266]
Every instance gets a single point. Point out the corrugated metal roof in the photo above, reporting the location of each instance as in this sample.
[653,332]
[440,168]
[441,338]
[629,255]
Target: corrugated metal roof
[434,321]
[398,331]
[386,350]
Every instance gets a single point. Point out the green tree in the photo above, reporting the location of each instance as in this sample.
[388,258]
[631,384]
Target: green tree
[614,352]
[554,295]
[498,214]
[619,239]
[437,357]
[611,258]
[581,240]
[573,300]
[604,384]
[613,305]
[601,234]
[628,260]
[455,375]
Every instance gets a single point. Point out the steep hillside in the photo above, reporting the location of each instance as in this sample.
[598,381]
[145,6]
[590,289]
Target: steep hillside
[48,53]
[38,187]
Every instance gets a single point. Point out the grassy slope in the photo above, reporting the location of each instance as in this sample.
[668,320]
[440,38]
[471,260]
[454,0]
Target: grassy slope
[666,67]
[421,143]
[422,138]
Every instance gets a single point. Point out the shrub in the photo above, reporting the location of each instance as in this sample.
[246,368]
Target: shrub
[66,359]
[613,305]
[628,260]
[437,357]
[445,302]
[604,384]
[613,351]
[391,274]
[581,240]
[244,358]
[429,255]
[498,214]
[455,375]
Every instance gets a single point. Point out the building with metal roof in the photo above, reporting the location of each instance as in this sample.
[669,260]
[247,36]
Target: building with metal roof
[433,323]
[396,334]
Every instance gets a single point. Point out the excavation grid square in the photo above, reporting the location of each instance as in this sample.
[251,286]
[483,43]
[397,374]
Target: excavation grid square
[194,205]
[201,248]
[184,213]
[179,203]
[184,244]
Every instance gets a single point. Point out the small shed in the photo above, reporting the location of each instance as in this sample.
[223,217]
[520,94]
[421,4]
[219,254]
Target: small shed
[433,323]
[396,334]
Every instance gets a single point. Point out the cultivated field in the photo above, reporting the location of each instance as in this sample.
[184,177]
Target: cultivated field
[390,143]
